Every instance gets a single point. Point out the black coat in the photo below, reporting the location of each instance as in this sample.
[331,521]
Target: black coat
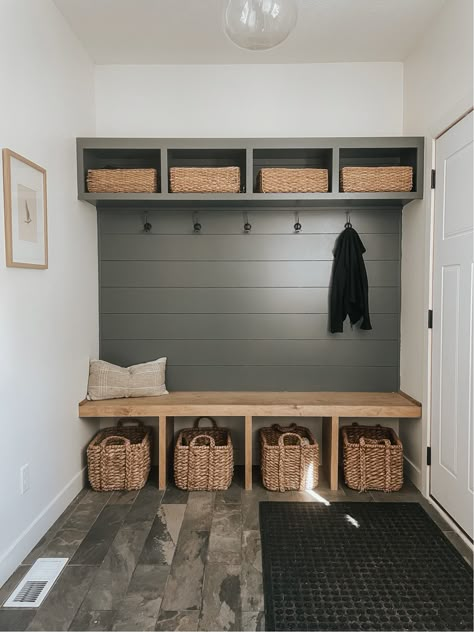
[350,288]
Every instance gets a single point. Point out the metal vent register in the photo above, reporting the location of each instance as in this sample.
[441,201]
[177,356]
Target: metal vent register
[38,581]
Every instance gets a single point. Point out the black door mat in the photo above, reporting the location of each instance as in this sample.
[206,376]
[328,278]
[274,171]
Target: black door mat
[361,566]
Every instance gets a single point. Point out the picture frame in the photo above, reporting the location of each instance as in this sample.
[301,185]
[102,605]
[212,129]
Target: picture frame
[25,211]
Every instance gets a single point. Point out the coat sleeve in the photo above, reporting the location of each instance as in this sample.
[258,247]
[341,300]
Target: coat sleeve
[364,284]
[336,300]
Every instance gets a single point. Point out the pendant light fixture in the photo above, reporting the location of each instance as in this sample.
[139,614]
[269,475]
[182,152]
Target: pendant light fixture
[259,24]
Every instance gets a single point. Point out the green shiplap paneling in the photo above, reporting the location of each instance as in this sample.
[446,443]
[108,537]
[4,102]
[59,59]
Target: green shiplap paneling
[234,311]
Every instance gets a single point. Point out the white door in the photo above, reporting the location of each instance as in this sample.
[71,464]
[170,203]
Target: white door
[452,375]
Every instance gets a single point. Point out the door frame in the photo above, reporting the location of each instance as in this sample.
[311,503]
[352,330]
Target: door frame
[447,517]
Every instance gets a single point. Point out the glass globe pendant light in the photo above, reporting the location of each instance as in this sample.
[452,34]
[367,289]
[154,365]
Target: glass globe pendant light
[259,24]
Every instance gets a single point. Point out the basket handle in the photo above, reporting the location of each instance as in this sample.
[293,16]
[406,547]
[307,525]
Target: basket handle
[291,428]
[105,441]
[212,443]
[363,462]
[281,460]
[363,441]
[213,422]
[121,422]
[281,438]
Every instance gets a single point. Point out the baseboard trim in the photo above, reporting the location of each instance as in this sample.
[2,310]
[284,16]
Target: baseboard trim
[20,548]
[413,473]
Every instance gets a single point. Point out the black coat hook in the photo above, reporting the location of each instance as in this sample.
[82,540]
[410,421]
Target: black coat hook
[348,220]
[247,225]
[196,225]
[147,226]
[297,225]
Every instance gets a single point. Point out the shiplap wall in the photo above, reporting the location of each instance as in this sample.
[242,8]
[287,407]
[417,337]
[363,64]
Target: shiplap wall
[235,311]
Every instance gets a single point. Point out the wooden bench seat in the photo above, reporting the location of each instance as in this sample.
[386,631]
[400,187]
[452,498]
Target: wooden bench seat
[331,406]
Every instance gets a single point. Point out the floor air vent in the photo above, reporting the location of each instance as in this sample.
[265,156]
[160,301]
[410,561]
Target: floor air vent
[37,583]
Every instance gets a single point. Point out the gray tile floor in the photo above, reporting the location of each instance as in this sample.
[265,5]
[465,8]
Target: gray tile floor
[166,561]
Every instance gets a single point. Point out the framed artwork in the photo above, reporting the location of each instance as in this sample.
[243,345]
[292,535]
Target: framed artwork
[26,216]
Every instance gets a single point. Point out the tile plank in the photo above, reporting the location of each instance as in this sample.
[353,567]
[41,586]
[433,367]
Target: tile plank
[113,576]
[141,604]
[251,574]
[17,620]
[253,621]
[93,621]
[184,588]
[184,620]
[95,545]
[161,542]
[199,511]
[221,609]
[61,605]
[226,534]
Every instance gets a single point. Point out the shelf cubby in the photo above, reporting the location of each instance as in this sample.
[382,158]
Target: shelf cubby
[210,157]
[381,157]
[112,158]
[296,158]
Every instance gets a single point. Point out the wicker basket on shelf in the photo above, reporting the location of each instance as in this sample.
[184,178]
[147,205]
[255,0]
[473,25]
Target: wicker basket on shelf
[376,179]
[119,458]
[373,458]
[282,180]
[122,180]
[205,179]
[203,458]
[289,458]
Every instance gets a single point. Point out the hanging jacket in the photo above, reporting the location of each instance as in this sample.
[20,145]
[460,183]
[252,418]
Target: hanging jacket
[349,287]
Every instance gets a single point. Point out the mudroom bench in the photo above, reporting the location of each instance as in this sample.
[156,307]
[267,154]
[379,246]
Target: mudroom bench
[331,406]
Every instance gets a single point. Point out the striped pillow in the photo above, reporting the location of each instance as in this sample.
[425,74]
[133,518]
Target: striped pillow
[109,381]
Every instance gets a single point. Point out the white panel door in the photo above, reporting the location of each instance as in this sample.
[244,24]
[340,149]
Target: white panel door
[452,376]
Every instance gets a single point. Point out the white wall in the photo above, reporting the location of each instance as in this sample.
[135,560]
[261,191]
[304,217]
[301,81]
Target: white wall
[438,88]
[48,318]
[343,99]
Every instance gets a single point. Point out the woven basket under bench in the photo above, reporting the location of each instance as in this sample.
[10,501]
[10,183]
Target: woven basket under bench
[373,458]
[122,180]
[119,458]
[289,458]
[203,458]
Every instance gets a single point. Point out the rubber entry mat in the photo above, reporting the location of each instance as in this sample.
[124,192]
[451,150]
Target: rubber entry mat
[361,566]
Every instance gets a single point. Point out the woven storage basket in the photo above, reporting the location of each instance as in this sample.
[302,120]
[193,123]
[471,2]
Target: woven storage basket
[203,458]
[289,458]
[119,458]
[376,179]
[373,458]
[276,180]
[122,180]
[205,179]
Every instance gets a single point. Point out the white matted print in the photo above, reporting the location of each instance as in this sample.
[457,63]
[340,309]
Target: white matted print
[26,226]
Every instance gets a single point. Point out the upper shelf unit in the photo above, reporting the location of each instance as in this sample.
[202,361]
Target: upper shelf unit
[250,155]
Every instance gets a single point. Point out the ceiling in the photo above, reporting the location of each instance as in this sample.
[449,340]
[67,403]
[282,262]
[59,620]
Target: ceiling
[191,32]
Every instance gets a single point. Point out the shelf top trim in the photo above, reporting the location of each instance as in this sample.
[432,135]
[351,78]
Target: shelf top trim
[349,142]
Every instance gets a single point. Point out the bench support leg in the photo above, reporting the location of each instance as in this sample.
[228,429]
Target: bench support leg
[165,439]
[248,452]
[331,450]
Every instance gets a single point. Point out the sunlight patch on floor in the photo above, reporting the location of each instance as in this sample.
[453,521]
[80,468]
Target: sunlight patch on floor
[352,521]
